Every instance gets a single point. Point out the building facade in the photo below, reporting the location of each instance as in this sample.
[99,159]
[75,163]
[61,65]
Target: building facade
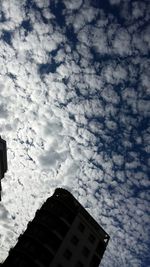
[62,234]
[3,160]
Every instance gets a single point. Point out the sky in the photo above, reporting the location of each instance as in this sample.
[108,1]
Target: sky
[74,110]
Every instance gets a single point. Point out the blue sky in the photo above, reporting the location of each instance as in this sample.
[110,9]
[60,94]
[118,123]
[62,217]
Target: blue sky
[74,109]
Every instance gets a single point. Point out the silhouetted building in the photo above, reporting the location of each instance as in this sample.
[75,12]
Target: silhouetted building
[62,234]
[3,160]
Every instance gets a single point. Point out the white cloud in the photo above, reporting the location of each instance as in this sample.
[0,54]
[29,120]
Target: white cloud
[138,9]
[80,122]
[10,8]
[121,42]
[84,15]
[43,4]
[73,5]
[114,2]
[109,94]
[143,106]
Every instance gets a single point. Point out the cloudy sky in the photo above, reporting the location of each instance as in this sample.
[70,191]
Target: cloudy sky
[74,90]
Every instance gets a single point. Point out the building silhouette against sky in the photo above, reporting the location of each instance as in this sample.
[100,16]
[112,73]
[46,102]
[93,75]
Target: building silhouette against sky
[62,234]
[3,160]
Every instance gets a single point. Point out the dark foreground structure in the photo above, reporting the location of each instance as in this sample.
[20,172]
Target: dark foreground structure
[62,234]
[3,160]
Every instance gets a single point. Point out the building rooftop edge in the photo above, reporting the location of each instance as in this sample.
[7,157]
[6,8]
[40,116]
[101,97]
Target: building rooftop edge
[85,212]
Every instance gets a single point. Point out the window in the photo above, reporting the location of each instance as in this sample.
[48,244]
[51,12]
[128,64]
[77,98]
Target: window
[20,262]
[95,261]
[62,228]
[67,254]
[86,251]
[23,264]
[44,256]
[79,264]
[74,240]
[91,238]
[100,248]
[81,227]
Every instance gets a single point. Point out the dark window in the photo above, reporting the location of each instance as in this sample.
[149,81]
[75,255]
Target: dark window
[74,240]
[95,261]
[67,215]
[79,264]
[81,227]
[45,257]
[86,251]
[53,241]
[23,264]
[62,228]
[91,238]
[101,248]
[67,254]
[52,222]
[43,235]
[59,265]
[34,248]
[59,209]
[20,262]
[18,258]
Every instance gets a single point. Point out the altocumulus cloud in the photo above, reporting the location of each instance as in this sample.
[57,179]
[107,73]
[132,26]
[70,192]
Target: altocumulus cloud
[74,92]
